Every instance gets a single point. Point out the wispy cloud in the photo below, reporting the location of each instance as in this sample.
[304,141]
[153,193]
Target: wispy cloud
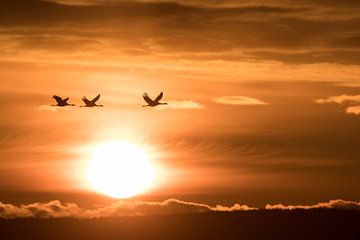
[50,108]
[340,99]
[332,204]
[56,209]
[353,110]
[47,108]
[352,102]
[239,100]
[53,34]
[185,104]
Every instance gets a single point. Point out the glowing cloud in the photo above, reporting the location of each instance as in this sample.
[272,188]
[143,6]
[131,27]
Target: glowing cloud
[239,100]
[344,99]
[185,104]
[332,204]
[340,99]
[47,108]
[353,110]
[56,209]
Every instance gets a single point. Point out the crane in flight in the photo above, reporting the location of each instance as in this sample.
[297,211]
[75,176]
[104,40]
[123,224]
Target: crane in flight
[153,103]
[62,102]
[91,103]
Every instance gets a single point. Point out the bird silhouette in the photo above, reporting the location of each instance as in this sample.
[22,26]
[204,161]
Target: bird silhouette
[153,103]
[91,103]
[61,102]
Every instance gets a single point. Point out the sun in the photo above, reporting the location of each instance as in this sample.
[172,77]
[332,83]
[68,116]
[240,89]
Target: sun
[120,170]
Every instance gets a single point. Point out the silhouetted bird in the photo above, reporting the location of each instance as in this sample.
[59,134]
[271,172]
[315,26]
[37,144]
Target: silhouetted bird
[153,103]
[91,103]
[61,102]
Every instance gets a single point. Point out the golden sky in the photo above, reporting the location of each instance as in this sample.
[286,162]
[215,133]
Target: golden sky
[263,95]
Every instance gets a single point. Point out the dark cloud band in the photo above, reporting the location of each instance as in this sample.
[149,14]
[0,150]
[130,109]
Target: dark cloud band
[56,209]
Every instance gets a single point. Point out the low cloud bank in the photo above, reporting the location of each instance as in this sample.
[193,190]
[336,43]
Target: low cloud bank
[56,209]
[332,204]
[239,100]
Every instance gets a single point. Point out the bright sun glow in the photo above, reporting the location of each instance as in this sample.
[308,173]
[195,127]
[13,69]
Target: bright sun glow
[120,170]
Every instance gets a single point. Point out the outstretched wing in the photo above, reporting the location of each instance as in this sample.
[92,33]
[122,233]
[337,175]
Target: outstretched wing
[159,97]
[86,101]
[147,99]
[58,99]
[95,99]
[65,99]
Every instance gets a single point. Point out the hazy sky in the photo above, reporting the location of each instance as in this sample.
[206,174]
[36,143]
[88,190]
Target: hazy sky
[264,96]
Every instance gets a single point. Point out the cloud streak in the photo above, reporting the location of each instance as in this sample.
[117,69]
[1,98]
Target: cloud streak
[332,204]
[353,110]
[351,101]
[340,99]
[47,108]
[288,34]
[239,100]
[185,104]
[56,209]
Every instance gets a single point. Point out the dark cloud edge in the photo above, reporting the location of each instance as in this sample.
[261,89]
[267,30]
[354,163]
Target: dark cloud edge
[57,209]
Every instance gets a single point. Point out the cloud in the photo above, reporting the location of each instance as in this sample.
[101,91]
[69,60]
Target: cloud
[239,100]
[215,3]
[353,110]
[332,204]
[345,57]
[52,209]
[349,100]
[56,209]
[266,30]
[340,99]
[348,84]
[47,108]
[185,104]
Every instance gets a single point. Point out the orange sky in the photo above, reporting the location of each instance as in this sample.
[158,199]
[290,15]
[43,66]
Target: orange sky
[249,86]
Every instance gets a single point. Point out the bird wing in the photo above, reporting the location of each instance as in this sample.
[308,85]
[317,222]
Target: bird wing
[159,97]
[65,99]
[95,99]
[58,99]
[147,99]
[86,101]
